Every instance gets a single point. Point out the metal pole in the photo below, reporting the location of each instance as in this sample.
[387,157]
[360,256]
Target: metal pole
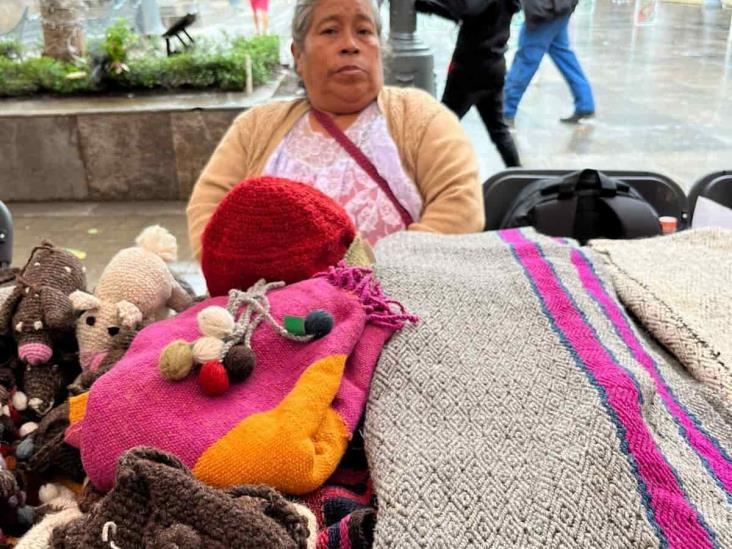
[408,61]
[6,237]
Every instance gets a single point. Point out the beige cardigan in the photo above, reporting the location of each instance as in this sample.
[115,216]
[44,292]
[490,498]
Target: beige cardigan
[435,153]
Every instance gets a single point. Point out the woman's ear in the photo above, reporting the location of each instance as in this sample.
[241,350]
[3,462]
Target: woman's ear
[296,56]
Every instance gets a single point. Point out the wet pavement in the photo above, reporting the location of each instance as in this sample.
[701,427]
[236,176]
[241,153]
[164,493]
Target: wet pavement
[96,231]
[662,92]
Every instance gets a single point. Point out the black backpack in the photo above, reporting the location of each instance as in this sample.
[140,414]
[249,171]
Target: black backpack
[583,205]
[538,12]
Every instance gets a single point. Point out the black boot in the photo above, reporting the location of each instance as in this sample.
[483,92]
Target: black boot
[577,117]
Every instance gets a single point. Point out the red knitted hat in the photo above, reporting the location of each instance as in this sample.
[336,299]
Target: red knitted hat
[272,228]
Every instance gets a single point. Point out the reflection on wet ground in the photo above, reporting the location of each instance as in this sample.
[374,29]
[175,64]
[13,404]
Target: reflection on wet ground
[662,91]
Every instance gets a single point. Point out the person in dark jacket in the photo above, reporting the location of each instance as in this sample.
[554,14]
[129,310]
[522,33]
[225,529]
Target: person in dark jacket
[478,68]
[545,31]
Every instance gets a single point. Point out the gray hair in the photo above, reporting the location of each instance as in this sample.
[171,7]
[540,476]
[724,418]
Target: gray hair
[303,18]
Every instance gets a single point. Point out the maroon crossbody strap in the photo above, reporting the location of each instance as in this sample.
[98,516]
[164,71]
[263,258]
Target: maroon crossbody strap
[362,160]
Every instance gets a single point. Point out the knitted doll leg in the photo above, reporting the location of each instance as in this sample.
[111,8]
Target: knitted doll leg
[180,299]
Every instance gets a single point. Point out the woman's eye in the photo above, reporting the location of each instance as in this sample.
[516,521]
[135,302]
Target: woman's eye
[329,30]
[365,32]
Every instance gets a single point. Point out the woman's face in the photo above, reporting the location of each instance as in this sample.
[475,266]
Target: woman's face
[340,61]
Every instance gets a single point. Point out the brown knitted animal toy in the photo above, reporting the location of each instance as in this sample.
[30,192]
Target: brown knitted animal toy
[45,385]
[135,288]
[44,451]
[37,309]
[157,504]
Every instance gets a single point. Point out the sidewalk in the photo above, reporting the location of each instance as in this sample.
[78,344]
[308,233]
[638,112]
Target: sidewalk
[97,231]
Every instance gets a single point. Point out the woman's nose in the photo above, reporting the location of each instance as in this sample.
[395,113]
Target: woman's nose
[349,45]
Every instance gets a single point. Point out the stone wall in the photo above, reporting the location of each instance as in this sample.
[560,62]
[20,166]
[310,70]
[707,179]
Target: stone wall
[103,156]
[103,149]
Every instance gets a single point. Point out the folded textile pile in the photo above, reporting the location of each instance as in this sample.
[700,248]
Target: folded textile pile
[526,410]
[297,358]
[286,425]
[679,288]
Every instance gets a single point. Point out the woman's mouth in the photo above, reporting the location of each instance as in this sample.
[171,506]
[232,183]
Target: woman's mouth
[349,69]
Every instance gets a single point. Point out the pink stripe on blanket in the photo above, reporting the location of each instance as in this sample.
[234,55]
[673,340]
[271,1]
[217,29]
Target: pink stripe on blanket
[674,515]
[343,528]
[710,453]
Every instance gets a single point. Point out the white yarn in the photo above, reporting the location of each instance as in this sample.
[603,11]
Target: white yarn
[207,349]
[20,401]
[53,492]
[160,241]
[27,428]
[312,524]
[215,322]
[106,535]
[48,492]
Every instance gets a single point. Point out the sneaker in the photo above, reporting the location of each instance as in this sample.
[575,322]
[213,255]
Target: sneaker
[577,117]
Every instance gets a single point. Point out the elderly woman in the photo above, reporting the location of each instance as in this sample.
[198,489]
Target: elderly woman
[394,158]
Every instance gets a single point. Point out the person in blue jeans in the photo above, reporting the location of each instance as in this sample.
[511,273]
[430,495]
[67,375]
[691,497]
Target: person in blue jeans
[534,41]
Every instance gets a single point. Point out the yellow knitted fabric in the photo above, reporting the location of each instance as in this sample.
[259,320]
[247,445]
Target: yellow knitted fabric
[296,446]
[77,407]
[359,253]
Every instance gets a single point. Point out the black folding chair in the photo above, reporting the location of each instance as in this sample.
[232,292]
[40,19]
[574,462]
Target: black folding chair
[716,186]
[665,195]
[6,237]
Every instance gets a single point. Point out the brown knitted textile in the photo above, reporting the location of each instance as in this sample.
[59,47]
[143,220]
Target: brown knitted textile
[52,454]
[157,504]
[45,385]
[38,310]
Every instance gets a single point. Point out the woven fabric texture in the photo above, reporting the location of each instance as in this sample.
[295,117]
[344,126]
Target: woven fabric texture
[680,287]
[526,410]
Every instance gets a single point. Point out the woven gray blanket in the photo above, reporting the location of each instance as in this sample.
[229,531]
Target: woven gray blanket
[680,288]
[526,410]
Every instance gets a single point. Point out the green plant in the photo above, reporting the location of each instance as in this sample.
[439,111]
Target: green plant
[41,74]
[119,39]
[10,49]
[207,66]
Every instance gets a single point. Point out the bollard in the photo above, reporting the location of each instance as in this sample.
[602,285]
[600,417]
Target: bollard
[408,61]
[250,78]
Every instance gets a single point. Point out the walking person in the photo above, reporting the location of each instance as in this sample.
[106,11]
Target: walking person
[478,67]
[260,13]
[545,31]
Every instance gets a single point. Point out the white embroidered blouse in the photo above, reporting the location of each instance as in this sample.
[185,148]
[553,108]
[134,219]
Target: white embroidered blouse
[317,159]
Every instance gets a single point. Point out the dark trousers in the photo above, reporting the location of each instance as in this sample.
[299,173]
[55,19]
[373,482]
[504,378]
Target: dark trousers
[483,88]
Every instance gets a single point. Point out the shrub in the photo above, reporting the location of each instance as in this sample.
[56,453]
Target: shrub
[42,74]
[10,49]
[123,62]
[119,38]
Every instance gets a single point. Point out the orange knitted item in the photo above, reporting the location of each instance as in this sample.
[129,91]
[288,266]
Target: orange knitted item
[275,229]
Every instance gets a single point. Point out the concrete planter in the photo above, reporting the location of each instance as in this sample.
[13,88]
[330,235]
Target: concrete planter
[141,148]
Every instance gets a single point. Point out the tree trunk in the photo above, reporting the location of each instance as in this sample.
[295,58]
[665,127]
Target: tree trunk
[63,28]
